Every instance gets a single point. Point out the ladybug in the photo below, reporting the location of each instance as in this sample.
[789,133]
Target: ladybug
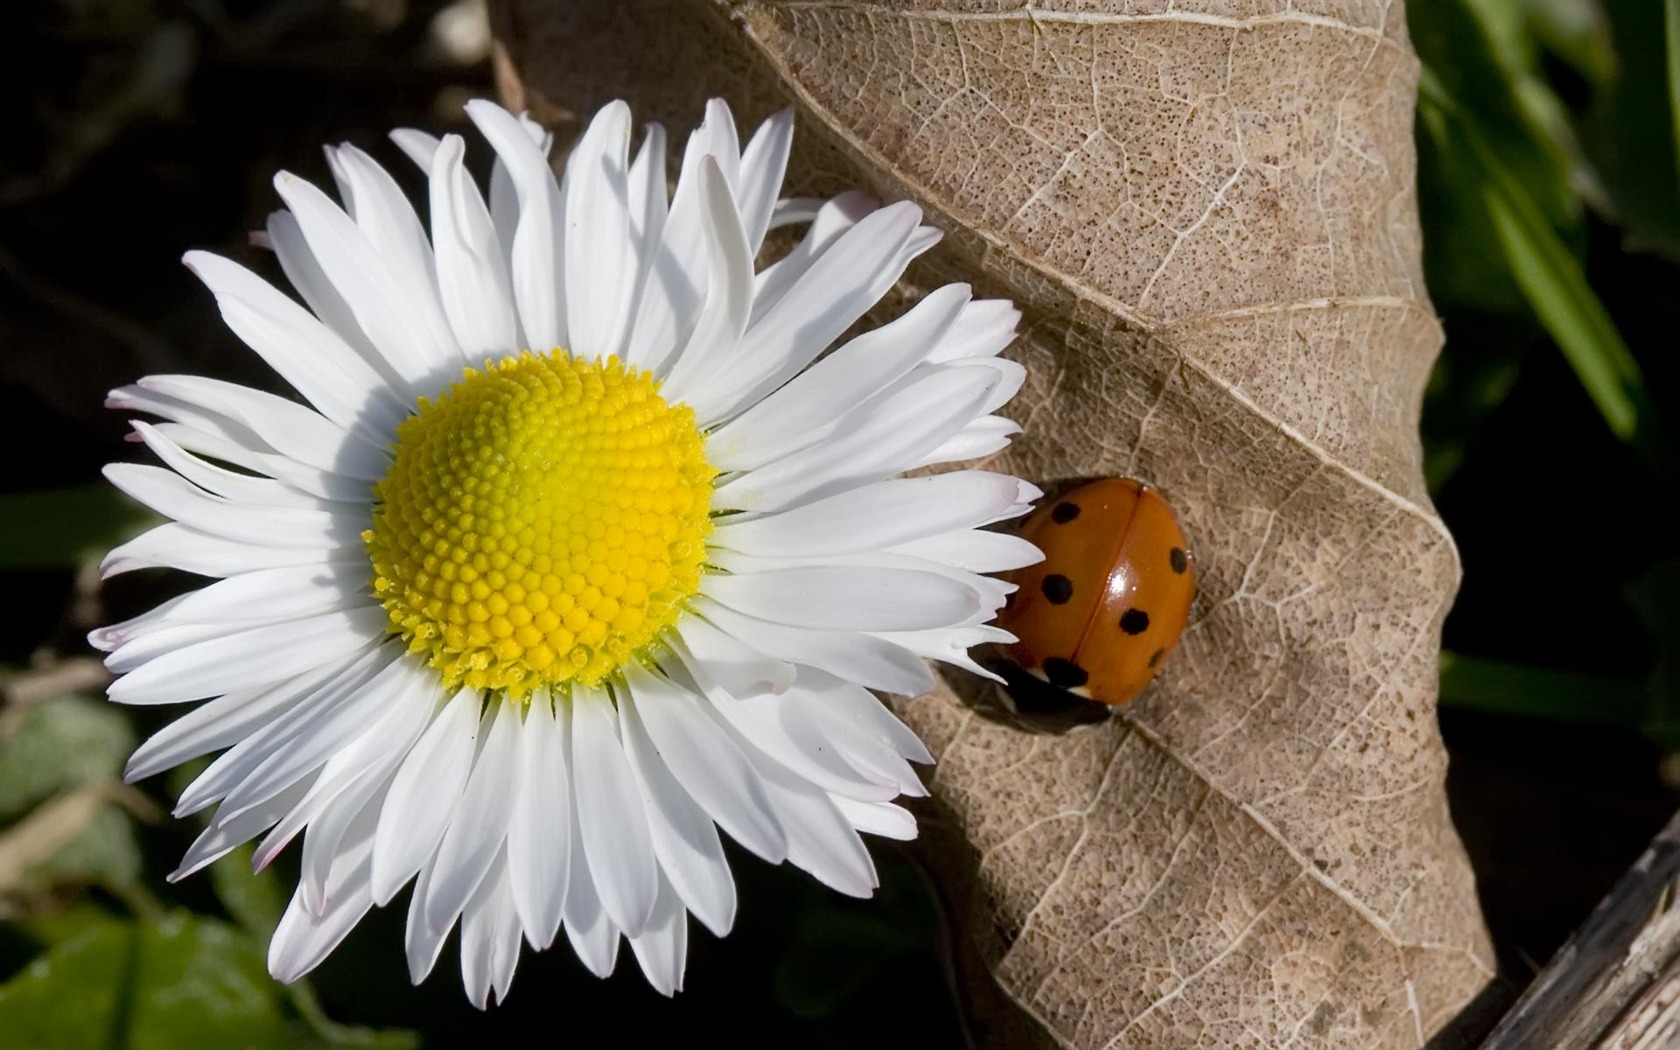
[1107,604]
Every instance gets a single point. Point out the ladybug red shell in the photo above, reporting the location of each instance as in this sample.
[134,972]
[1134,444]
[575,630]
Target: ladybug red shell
[1112,596]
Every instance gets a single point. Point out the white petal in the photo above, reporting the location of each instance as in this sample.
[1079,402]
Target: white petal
[845,700]
[777,730]
[424,794]
[715,342]
[881,515]
[421,943]
[849,278]
[865,659]
[610,817]
[540,833]
[739,668]
[834,217]
[345,824]
[878,818]
[600,259]
[480,822]
[303,270]
[417,146]
[662,948]
[872,443]
[973,549]
[876,761]
[286,426]
[1010,377]
[763,163]
[315,695]
[649,204]
[716,137]
[220,838]
[536,267]
[986,327]
[706,762]
[144,645]
[792,210]
[390,294]
[984,436]
[504,198]
[845,598]
[810,406]
[211,726]
[303,940]
[988,592]
[175,546]
[360,771]
[490,938]
[173,496]
[320,483]
[252,658]
[671,298]
[306,353]
[951,645]
[472,272]
[592,935]
[383,213]
[272,595]
[313,745]
[684,837]
[820,839]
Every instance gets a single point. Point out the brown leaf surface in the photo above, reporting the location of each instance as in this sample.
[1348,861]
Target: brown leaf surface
[1207,209]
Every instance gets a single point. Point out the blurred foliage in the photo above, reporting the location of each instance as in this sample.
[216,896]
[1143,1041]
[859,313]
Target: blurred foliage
[1548,175]
[86,522]
[1549,189]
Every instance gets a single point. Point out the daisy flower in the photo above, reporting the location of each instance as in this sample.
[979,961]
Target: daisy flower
[581,551]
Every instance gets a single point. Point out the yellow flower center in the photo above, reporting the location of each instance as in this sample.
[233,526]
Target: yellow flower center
[542,522]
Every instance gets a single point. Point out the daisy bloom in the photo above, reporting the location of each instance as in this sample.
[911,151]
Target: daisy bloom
[581,550]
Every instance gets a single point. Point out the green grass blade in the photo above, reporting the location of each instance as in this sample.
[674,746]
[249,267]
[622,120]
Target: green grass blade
[1550,278]
[1533,692]
[1671,35]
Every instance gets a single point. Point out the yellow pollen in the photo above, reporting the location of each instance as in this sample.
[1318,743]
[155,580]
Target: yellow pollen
[543,521]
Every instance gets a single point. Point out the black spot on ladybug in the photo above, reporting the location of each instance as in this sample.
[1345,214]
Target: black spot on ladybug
[1064,674]
[1064,513]
[1134,621]
[1180,560]
[1155,658]
[1057,588]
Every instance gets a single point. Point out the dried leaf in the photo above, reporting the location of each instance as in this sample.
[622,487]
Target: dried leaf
[1208,211]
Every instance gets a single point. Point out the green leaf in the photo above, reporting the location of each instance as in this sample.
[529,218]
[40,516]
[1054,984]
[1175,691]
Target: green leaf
[104,853]
[256,900]
[1535,692]
[64,528]
[1485,56]
[1630,135]
[60,744]
[1671,42]
[1550,277]
[1576,32]
[182,981]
